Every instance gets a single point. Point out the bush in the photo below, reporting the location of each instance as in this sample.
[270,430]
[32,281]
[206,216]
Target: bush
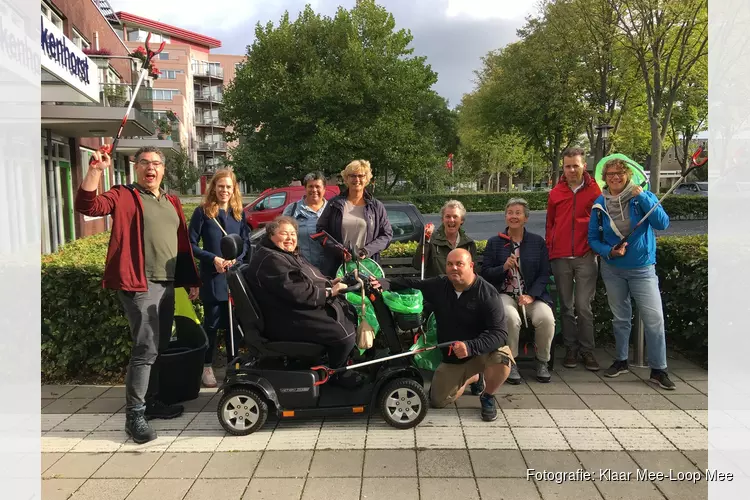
[85,331]
[677,206]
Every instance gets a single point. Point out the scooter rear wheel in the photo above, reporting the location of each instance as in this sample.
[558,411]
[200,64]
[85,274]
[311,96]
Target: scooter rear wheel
[403,403]
[242,411]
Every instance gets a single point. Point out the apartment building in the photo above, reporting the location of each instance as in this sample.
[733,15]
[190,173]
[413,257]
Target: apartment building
[190,86]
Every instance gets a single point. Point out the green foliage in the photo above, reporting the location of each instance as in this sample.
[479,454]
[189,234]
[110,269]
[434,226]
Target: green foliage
[180,174]
[321,91]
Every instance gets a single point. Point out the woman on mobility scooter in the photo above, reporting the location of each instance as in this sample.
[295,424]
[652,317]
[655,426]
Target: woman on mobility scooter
[298,302]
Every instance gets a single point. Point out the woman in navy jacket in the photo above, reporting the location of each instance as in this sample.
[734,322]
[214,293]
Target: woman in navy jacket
[219,214]
[517,263]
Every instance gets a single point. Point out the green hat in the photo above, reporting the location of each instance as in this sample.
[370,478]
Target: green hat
[639,173]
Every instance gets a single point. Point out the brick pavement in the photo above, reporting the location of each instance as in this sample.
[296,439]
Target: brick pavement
[578,422]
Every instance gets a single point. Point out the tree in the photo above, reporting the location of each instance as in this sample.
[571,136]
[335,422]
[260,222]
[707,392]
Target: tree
[689,115]
[530,86]
[606,72]
[180,174]
[667,37]
[318,92]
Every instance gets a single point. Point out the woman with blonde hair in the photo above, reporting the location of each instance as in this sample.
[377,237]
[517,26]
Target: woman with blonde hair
[354,218]
[219,214]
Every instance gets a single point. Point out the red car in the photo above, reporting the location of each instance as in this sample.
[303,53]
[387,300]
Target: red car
[273,201]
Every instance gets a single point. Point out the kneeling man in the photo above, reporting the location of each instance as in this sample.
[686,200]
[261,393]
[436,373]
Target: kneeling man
[468,310]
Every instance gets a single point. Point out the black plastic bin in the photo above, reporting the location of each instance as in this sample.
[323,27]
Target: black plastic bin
[181,365]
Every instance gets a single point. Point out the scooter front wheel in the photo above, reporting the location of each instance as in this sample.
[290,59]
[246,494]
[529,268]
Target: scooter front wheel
[242,411]
[403,403]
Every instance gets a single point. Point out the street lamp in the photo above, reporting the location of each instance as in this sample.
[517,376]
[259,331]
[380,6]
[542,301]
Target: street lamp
[604,129]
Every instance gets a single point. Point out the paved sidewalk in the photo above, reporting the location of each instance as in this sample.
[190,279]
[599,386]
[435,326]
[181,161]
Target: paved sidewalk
[578,422]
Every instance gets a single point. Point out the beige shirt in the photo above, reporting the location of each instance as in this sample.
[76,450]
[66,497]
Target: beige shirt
[160,225]
[353,225]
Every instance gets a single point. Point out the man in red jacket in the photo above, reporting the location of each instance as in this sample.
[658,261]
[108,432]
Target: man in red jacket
[571,258]
[149,254]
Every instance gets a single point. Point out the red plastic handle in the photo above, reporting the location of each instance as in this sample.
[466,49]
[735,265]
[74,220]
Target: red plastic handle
[695,157]
[107,148]
[327,374]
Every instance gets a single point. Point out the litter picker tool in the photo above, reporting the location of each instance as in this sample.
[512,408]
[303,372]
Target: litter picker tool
[327,372]
[424,244]
[110,148]
[695,164]
[516,275]
[326,237]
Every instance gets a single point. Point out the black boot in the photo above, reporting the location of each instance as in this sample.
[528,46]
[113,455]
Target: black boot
[157,409]
[138,428]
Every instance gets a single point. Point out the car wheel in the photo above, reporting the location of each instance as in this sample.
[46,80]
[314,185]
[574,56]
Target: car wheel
[403,403]
[242,411]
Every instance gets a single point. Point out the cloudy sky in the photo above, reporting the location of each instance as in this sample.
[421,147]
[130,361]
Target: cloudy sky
[453,34]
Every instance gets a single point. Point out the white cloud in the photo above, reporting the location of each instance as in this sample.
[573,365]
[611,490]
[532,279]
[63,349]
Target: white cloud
[491,9]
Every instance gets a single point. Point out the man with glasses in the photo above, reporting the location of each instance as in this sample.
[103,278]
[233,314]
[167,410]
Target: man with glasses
[149,254]
[573,263]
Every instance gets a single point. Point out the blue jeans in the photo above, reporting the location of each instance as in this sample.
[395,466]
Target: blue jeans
[643,285]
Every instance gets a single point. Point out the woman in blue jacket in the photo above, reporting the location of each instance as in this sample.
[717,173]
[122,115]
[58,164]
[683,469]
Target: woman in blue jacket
[219,214]
[630,271]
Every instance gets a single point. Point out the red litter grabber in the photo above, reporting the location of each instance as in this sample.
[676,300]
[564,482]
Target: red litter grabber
[695,164]
[109,149]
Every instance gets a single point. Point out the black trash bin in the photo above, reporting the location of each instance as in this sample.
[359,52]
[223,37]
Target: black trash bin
[181,365]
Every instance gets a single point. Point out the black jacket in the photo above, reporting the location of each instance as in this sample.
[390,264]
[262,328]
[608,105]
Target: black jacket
[291,294]
[476,318]
[535,266]
[379,231]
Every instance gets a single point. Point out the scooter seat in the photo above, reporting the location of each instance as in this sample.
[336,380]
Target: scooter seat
[296,349]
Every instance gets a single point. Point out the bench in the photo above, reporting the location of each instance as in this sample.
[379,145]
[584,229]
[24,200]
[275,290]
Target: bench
[395,267]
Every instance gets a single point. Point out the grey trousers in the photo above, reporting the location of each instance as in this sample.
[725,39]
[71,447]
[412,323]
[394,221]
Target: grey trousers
[578,332]
[150,315]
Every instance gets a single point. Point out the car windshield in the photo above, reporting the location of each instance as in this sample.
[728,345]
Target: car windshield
[703,186]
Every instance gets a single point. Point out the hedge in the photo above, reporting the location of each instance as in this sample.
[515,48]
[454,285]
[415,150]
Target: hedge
[677,206]
[85,333]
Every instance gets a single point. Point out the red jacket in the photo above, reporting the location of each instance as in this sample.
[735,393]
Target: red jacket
[125,268]
[568,217]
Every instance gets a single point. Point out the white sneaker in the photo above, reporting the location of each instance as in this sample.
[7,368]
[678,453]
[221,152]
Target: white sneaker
[208,379]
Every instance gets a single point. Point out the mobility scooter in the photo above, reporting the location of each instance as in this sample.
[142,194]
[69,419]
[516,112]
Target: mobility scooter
[289,378]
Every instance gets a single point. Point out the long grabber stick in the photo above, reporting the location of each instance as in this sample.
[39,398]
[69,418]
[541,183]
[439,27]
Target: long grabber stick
[109,149]
[327,372]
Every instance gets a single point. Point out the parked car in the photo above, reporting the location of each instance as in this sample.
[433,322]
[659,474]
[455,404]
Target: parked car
[406,221]
[694,188]
[271,202]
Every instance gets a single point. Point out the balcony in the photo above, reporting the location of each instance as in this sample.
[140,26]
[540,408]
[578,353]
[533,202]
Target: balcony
[208,71]
[166,138]
[210,164]
[218,146]
[118,95]
[207,121]
[102,119]
[209,97]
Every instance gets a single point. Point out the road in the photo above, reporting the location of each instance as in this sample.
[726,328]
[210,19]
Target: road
[483,225]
